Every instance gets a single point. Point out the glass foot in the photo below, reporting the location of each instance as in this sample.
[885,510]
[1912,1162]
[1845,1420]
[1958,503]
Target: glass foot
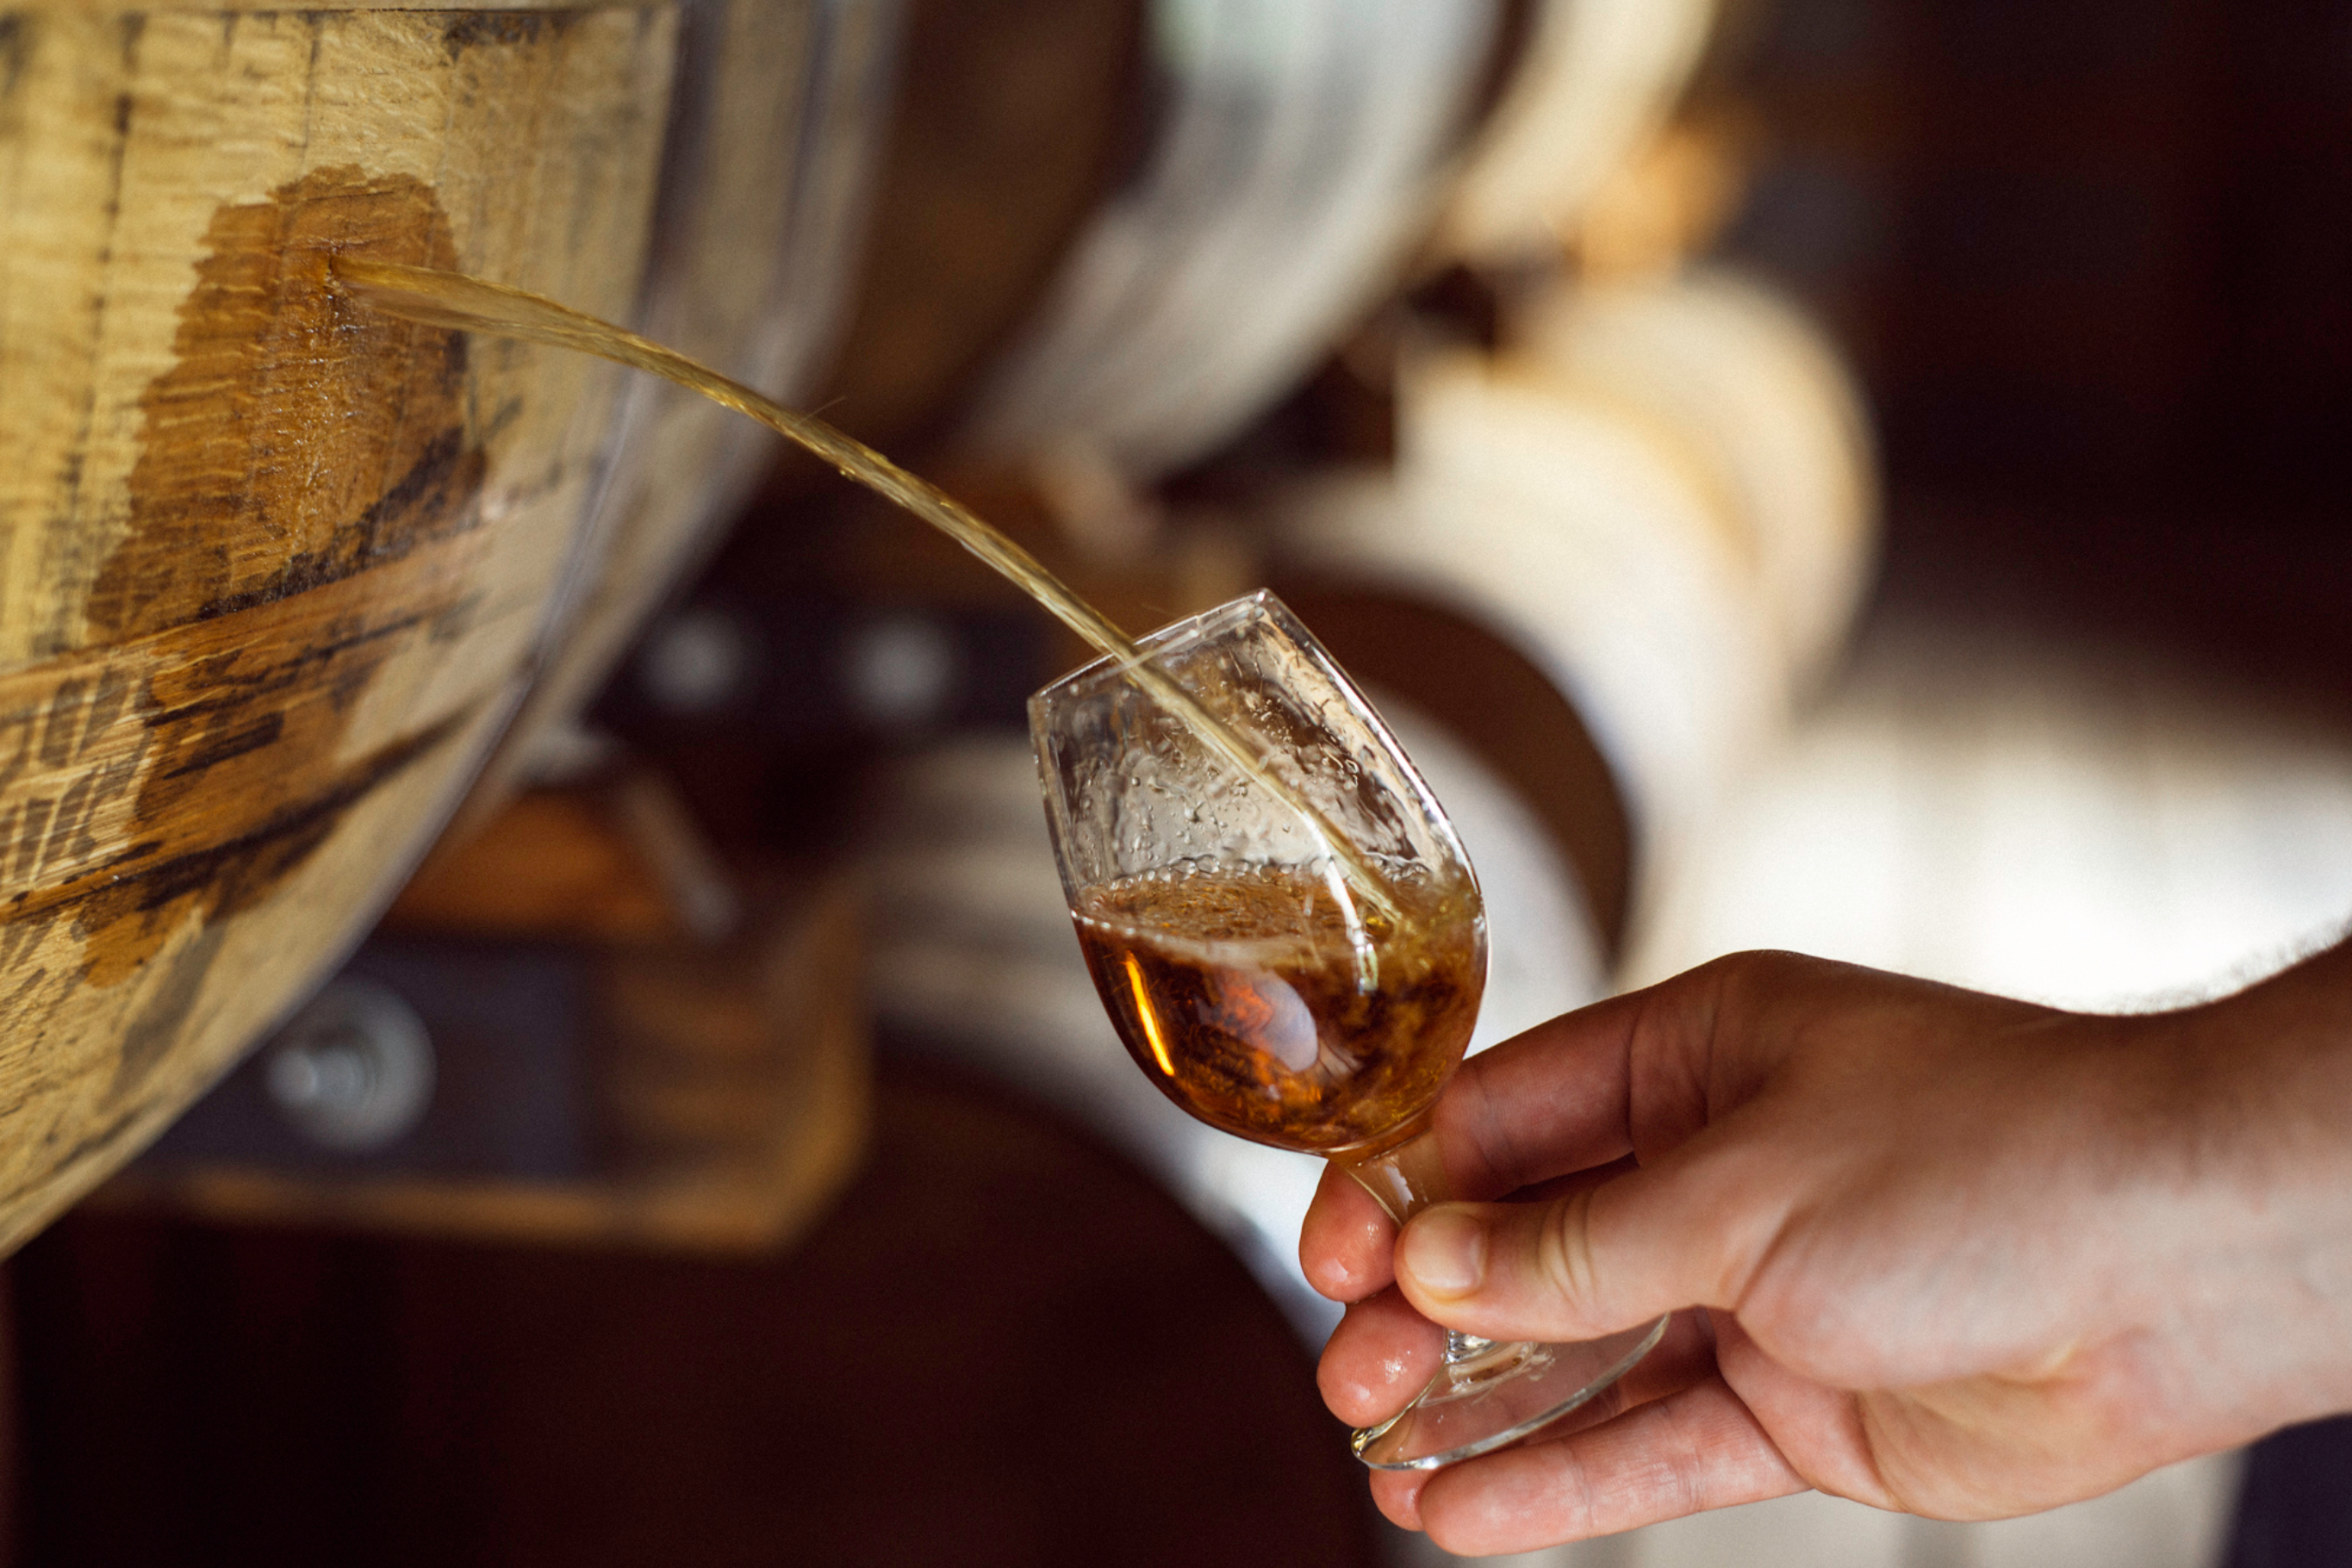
[1499,1392]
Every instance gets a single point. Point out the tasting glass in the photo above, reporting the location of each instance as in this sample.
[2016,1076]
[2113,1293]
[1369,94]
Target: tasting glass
[1136,799]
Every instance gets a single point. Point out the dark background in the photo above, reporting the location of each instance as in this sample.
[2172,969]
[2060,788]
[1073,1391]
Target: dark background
[2091,256]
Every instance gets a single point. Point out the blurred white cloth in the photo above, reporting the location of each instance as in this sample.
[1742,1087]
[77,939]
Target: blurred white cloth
[2069,825]
[2177,1516]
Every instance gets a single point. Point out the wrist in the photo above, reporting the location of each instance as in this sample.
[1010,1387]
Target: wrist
[2268,1084]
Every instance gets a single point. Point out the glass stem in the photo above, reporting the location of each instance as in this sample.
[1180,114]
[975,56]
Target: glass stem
[1404,1179]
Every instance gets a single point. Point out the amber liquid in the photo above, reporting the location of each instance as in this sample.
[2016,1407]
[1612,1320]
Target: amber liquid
[1237,992]
[470,304]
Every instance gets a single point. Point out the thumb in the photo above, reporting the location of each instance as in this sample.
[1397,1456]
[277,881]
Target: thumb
[1684,1233]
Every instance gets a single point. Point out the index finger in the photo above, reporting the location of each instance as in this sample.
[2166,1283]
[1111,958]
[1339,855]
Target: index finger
[1555,1100]
[1347,1243]
[1640,1073]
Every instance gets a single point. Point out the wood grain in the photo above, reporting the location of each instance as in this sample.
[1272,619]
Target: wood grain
[271,571]
[757,228]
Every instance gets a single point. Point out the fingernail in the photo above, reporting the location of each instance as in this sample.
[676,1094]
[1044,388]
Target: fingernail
[1444,1251]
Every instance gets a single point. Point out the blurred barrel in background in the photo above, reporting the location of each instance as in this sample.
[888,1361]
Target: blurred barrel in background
[1293,154]
[1662,493]
[1600,78]
[1129,227]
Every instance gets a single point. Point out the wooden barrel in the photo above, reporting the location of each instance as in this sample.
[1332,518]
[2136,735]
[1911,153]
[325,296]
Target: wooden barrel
[271,569]
[764,182]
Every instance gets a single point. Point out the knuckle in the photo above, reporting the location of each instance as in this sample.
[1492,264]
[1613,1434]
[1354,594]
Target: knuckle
[1741,978]
[1564,1251]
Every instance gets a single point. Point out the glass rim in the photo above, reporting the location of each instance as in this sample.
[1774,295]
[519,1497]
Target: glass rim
[1184,633]
[1262,604]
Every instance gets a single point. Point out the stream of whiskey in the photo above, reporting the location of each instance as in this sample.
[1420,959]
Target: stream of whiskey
[454,300]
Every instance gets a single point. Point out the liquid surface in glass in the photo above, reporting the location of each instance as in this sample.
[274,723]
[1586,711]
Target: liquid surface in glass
[1236,989]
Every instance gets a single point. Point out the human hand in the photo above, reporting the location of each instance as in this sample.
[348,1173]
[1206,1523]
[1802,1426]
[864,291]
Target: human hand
[1950,1254]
